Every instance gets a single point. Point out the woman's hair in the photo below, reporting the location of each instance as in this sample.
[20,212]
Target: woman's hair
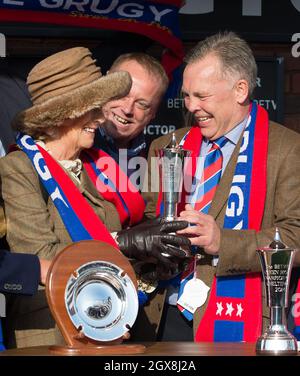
[46,134]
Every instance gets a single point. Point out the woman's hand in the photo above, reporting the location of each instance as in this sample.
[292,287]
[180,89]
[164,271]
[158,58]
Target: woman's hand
[151,240]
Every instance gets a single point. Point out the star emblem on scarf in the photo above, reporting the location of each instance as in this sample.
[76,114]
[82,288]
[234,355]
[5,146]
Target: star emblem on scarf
[219,308]
[230,309]
[239,310]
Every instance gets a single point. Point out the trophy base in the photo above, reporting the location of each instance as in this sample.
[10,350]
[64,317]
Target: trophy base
[277,344]
[98,350]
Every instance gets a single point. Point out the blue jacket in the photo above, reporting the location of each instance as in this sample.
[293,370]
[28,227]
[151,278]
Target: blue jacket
[19,273]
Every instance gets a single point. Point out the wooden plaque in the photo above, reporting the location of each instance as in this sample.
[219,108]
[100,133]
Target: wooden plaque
[63,266]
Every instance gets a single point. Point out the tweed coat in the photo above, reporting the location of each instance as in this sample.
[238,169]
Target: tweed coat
[34,226]
[237,253]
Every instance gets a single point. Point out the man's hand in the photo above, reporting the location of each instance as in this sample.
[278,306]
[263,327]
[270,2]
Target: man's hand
[45,265]
[151,239]
[205,233]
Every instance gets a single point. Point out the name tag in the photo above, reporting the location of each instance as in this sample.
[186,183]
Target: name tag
[194,295]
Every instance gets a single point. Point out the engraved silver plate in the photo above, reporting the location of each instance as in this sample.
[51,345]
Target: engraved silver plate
[101,301]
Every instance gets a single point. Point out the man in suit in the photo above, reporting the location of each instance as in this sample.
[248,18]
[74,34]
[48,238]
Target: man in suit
[19,273]
[244,182]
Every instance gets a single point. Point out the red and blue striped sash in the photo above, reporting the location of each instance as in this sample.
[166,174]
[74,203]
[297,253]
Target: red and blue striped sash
[80,220]
[114,185]
[234,311]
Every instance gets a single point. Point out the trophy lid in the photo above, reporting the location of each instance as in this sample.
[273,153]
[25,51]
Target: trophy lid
[277,244]
[173,144]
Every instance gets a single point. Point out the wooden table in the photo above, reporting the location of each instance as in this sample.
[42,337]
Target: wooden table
[164,349]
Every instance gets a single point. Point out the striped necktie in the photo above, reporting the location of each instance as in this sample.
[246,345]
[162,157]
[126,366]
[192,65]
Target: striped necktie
[211,175]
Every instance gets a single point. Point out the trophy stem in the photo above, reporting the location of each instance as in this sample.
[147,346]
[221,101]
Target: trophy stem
[170,210]
[278,317]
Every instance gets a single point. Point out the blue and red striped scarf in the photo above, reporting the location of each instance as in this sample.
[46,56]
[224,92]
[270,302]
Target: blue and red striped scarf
[79,218]
[114,185]
[234,311]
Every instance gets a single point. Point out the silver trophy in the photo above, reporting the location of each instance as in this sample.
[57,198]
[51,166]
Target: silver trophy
[171,177]
[276,261]
[171,168]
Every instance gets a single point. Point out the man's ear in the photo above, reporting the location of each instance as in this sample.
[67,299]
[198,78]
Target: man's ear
[241,91]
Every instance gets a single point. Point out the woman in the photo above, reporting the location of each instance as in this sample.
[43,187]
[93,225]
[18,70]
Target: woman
[47,185]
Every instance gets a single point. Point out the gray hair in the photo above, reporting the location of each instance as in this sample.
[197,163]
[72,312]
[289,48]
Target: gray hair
[234,53]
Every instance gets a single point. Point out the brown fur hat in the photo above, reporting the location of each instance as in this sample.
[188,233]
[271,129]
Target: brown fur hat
[67,85]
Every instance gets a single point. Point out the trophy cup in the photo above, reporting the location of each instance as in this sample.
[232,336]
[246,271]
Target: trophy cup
[171,179]
[276,262]
[92,293]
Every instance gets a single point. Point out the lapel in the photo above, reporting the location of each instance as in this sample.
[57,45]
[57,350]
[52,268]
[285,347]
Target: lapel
[88,189]
[222,192]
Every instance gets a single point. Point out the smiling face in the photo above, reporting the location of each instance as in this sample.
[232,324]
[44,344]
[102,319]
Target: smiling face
[128,116]
[81,133]
[218,102]
[74,135]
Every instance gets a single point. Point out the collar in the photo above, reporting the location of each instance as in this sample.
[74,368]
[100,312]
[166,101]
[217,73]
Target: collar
[234,134]
[72,166]
[136,146]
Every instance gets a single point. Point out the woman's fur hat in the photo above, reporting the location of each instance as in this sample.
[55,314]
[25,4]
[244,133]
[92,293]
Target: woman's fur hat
[67,85]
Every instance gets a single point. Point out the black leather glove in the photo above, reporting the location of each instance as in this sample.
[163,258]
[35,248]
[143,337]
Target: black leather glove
[151,240]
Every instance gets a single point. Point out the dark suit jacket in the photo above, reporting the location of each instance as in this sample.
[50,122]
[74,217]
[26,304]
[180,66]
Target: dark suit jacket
[19,273]
[14,96]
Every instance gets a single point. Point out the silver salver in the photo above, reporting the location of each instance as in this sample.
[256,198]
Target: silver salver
[101,301]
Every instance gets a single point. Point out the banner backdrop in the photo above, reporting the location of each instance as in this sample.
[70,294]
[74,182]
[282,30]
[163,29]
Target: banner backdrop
[255,20]
[156,19]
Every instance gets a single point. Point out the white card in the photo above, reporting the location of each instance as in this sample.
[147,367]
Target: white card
[194,295]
